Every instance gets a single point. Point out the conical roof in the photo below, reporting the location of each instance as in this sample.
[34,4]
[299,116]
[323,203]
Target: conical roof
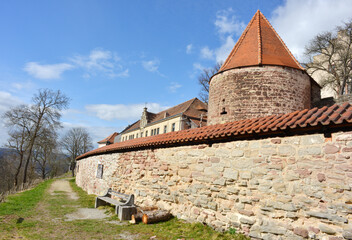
[260,45]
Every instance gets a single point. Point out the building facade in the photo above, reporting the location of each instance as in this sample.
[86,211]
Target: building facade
[187,115]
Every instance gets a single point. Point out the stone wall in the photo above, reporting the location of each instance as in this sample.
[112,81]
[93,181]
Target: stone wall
[261,91]
[277,188]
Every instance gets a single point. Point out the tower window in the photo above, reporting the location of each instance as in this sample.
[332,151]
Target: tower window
[223,112]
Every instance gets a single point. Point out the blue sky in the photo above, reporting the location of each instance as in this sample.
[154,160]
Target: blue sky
[113,57]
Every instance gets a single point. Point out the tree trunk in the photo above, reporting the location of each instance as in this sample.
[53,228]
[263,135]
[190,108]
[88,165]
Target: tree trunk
[72,167]
[155,216]
[18,170]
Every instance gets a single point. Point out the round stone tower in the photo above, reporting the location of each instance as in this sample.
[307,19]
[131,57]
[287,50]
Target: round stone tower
[259,78]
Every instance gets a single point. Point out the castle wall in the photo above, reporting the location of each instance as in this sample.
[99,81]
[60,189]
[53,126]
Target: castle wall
[289,187]
[252,92]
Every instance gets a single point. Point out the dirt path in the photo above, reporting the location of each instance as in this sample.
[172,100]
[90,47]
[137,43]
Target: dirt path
[62,185]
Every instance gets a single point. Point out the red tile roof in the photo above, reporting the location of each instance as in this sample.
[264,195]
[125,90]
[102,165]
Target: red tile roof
[260,45]
[109,139]
[191,108]
[313,120]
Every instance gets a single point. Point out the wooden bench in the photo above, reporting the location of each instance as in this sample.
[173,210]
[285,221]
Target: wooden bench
[125,204]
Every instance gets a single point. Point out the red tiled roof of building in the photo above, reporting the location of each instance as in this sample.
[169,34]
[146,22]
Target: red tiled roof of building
[292,123]
[109,139]
[258,45]
[184,108]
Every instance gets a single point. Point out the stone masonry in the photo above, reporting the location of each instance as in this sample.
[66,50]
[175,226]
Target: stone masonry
[252,92]
[278,188]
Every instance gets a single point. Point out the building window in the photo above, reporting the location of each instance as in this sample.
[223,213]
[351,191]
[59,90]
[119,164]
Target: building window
[173,127]
[165,128]
[141,134]
[137,135]
[157,131]
[100,171]
[146,133]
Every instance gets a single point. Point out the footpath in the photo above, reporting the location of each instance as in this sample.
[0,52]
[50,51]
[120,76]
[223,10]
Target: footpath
[58,209]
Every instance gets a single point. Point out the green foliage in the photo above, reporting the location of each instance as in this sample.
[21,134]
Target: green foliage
[232,231]
[22,203]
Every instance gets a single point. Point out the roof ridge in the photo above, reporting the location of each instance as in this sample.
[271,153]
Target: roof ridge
[189,105]
[283,43]
[259,42]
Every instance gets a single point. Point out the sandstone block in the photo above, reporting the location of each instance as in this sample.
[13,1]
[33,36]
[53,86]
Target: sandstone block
[326,229]
[246,212]
[232,190]
[237,153]
[273,229]
[286,150]
[246,175]
[230,174]
[347,235]
[220,181]
[321,177]
[246,220]
[184,173]
[331,149]
[301,232]
[276,141]
[312,139]
[309,151]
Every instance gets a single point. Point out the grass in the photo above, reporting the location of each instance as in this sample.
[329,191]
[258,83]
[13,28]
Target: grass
[46,220]
[22,203]
[85,200]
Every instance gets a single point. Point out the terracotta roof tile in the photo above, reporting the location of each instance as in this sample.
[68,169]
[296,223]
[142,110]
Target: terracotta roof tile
[191,108]
[110,138]
[300,120]
[259,44]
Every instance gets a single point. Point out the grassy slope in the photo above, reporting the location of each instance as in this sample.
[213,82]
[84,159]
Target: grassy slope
[22,216]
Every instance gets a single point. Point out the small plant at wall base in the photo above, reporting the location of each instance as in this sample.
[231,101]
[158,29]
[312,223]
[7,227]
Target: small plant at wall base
[232,231]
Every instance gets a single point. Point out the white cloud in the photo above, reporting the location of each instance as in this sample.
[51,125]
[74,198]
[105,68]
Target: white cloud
[47,71]
[174,86]
[151,66]
[298,21]
[121,111]
[206,53]
[98,62]
[224,50]
[228,27]
[198,66]
[101,61]
[227,23]
[96,132]
[6,102]
[189,48]
[22,85]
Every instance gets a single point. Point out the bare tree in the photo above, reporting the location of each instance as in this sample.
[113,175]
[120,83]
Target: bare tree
[17,119]
[330,58]
[44,112]
[45,151]
[76,142]
[204,79]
